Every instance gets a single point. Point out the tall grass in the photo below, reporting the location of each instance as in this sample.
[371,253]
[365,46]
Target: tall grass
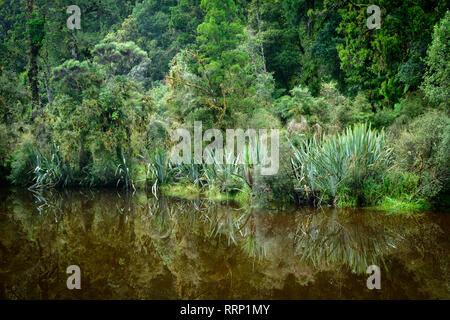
[339,166]
[160,170]
[50,170]
[124,174]
[228,176]
[191,172]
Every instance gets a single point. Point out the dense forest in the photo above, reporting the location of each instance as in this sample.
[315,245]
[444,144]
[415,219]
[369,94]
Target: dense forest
[363,113]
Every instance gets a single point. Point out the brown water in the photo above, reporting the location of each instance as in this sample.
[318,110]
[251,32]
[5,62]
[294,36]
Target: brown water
[139,247]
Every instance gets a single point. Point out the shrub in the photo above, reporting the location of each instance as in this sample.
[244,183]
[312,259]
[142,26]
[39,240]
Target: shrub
[423,149]
[50,170]
[436,84]
[278,187]
[4,152]
[22,160]
[341,165]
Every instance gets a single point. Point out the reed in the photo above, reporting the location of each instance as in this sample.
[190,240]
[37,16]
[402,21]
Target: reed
[124,174]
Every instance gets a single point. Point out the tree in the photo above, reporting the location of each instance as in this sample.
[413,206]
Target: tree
[184,20]
[385,62]
[221,84]
[13,37]
[36,34]
[436,82]
[122,59]
[148,28]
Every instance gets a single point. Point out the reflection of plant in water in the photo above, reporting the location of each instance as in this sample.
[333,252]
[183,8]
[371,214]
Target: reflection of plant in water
[253,248]
[49,203]
[213,219]
[227,223]
[208,218]
[159,216]
[136,246]
[329,240]
[89,232]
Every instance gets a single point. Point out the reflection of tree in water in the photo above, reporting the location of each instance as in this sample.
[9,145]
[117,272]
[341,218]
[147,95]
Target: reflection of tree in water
[95,233]
[200,251]
[335,238]
[141,247]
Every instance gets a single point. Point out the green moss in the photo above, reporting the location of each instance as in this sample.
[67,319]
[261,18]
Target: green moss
[215,195]
[244,198]
[189,191]
[139,176]
[391,204]
[402,206]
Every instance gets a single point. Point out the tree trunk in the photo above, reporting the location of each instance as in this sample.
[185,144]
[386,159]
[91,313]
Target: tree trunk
[75,48]
[47,77]
[33,67]
[261,46]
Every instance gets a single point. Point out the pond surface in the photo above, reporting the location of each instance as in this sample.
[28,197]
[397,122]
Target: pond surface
[140,247]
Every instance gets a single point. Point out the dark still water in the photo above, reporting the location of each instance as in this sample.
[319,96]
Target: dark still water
[140,247]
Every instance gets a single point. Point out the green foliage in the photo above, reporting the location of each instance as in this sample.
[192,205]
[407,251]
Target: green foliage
[399,191]
[138,69]
[22,160]
[184,20]
[160,171]
[221,93]
[14,98]
[124,173]
[35,31]
[220,31]
[13,36]
[97,19]
[122,59]
[7,145]
[423,148]
[73,78]
[148,27]
[299,104]
[386,62]
[286,32]
[340,165]
[50,170]
[436,81]
[278,188]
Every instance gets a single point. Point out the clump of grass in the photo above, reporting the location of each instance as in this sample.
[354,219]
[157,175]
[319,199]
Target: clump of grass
[159,171]
[403,205]
[50,170]
[339,166]
[124,173]
[185,191]
[218,181]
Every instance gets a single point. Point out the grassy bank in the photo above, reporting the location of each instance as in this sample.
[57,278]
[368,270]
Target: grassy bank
[355,168]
